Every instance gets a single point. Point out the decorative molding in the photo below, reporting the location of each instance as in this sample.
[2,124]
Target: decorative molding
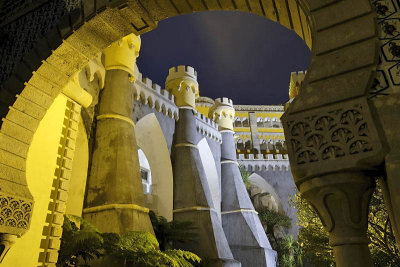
[259,108]
[333,138]
[388,69]
[117,117]
[333,134]
[15,212]
[116,207]
[52,231]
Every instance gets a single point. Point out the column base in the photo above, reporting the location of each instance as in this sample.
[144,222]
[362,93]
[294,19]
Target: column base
[211,244]
[118,219]
[247,239]
[255,256]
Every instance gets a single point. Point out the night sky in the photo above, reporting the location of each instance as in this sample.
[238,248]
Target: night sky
[237,55]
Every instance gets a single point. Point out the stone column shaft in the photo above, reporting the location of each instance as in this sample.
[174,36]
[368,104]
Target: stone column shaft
[114,200]
[254,132]
[192,195]
[342,201]
[243,229]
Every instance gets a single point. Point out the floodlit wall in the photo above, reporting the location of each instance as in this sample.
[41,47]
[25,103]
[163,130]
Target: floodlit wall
[40,167]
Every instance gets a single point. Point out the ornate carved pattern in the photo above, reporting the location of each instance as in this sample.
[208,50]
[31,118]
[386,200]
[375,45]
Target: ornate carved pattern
[330,135]
[15,212]
[388,70]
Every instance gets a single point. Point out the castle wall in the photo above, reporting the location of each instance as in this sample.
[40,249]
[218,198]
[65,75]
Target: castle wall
[167,124]
[282,182]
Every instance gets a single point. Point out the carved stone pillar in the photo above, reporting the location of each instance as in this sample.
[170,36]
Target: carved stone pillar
[114,200]
[342,200]
[192,195]
[334,153]
[243,229]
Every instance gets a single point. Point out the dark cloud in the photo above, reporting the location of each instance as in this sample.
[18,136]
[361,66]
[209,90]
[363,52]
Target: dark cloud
[236,55]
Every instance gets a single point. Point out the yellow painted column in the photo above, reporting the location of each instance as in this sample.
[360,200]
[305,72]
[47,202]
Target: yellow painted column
[114,200]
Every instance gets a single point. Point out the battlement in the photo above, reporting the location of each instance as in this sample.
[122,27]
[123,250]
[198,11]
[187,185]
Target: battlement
[207,120]
[265,162]
[303,72]
[263,157]
[181,72]
[207,127]
[154,96]
[224,101]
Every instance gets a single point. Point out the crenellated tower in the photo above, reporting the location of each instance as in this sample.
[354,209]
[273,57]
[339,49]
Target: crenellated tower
[246,237]
[223,113]
[114,200]
[182,83]
[192,193]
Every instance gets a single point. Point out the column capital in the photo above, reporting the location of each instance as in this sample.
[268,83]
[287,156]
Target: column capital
[122,54]
[182,83]
[223,113]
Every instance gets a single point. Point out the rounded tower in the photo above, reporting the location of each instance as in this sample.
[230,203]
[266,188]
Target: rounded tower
[121,55]
[223,113]
[182,83]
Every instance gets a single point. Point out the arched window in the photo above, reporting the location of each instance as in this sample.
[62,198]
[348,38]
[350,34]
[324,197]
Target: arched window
[260,122]
[267,122]
[238,122]
[247,144]
[264,145]
[240,144]
[275,123]
[270,145]
[145,172]
[246,122]
[279,145]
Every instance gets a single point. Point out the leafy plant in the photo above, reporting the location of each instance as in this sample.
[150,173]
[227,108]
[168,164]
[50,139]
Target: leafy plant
[272,218]
[289,252]
[245,176]
[383,247]
[313,238]
[169,234]
[141,248]
[85,243]
[288,249]
[315,241]
[138,248]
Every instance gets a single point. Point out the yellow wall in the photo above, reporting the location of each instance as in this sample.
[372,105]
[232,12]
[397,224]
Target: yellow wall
[40,166]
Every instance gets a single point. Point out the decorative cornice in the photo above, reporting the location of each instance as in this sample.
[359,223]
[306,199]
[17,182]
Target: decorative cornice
[278,108]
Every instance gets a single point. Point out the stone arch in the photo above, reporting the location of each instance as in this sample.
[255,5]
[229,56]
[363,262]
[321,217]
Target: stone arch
[246,122]
[238,122]
[260,122]
[150,138]
[239,144]
[343,45]
[275,123]
[264,145]
[247,144]
[267,122]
